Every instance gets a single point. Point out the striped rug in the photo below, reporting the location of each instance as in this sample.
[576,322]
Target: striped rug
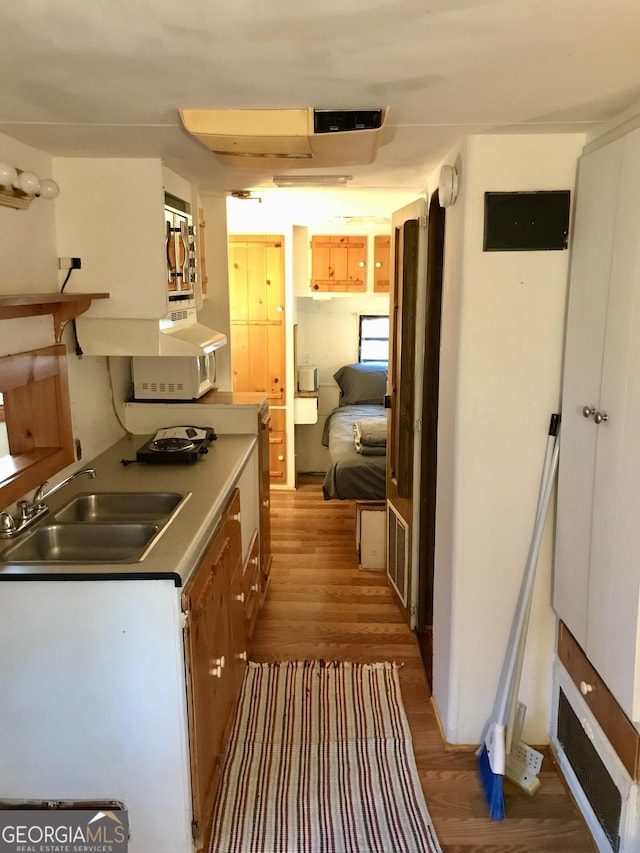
[321,761]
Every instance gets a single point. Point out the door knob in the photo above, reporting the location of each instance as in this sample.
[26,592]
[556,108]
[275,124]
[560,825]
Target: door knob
[601,417]
[587,411]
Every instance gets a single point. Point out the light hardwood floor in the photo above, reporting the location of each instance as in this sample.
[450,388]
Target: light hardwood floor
[320,605]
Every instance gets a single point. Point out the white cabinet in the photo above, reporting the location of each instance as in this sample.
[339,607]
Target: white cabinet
[113,218]
[597,576]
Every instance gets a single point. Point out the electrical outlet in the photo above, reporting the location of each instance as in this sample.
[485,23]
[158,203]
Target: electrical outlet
[69,263]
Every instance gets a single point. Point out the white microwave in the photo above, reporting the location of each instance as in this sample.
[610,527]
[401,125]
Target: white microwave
[183,377]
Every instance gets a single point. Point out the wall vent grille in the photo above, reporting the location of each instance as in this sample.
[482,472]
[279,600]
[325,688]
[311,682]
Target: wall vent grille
[598,786]
[397,553]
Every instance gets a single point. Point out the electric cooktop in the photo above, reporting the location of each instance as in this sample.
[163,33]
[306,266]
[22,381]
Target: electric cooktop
[176,445]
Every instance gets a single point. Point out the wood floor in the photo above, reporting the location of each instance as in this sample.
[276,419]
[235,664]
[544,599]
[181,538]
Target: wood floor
[320,605]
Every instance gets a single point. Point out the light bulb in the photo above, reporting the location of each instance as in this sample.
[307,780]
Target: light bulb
[48,189]
[28,182]
[8,174]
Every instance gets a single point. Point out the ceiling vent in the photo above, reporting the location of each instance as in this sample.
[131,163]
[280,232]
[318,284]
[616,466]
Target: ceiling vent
[268,139]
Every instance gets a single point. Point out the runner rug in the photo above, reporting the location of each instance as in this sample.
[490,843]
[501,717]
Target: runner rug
[321,761]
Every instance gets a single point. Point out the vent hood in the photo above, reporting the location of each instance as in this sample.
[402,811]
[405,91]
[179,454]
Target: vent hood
[288,138]
[194,339]
[183,336]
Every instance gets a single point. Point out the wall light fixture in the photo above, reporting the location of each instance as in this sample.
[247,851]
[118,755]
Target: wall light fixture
[311,180]
[18,188]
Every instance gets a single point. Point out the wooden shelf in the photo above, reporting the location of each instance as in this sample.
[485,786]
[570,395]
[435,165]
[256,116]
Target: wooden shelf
[62,306]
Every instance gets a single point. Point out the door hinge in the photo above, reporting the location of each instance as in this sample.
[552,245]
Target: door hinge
[417,427]
[422,221]
[184,619]
[414,610]
[195,829]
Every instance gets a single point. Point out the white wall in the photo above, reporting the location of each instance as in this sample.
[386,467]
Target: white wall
[29,265]
[215,311]
[502,339]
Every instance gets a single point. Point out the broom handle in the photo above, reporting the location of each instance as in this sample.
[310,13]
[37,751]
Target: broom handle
[506,690]
[552,439]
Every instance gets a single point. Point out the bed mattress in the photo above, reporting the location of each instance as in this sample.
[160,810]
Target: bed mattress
[352,475]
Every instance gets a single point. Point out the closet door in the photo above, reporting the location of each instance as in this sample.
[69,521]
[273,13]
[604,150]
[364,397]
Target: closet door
[595,222]
[614,584]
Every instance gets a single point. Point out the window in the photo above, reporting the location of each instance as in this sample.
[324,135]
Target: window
[374,338]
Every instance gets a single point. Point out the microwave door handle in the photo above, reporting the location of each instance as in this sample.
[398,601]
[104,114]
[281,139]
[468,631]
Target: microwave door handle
[184,254]
[171,255]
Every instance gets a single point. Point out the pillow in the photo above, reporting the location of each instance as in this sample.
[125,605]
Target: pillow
[362,383]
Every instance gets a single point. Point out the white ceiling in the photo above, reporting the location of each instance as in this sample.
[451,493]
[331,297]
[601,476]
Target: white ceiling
[86,78]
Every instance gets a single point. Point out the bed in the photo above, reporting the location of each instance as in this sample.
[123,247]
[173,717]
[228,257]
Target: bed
[354,475]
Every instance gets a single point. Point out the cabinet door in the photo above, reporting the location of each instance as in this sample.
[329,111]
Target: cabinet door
[210,687]
[338,263]
[278,446]
[264,461]
[614,589]
[381,257]
[258,314]
[595,218]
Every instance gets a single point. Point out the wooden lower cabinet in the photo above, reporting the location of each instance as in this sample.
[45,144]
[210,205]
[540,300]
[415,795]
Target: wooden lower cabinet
[278,446]
[213,635]
[264,490]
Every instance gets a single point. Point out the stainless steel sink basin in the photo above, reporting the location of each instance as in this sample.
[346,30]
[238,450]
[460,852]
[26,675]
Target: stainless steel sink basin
[83,543]
[114,507]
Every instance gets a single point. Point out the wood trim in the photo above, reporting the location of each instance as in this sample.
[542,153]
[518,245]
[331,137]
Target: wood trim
[619,730]
[62,306]
[38,416]
[430,396]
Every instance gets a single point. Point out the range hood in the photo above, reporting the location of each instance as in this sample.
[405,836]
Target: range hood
[266,139]
[194,337]
[179,334]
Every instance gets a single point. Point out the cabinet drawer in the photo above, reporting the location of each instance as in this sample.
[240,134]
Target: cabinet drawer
[619,730]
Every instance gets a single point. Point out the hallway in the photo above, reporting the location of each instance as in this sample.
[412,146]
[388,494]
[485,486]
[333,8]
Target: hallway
[321,605]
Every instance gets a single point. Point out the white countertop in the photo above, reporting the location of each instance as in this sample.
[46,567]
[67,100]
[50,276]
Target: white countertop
[183,543]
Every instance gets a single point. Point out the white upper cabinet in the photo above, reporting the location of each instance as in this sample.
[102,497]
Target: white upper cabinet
[110,214]
[597,575]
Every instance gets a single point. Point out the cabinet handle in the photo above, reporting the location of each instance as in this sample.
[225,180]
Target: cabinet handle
[601,417]
[360,263]
[241,655]
[587,411]
[586,688]
[217,667]
[280,309]
[239,597]
[378,264]
[255,587]
[235,516]
[280,458]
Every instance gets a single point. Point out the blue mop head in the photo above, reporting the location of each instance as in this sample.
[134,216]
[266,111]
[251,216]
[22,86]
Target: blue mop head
[491,784]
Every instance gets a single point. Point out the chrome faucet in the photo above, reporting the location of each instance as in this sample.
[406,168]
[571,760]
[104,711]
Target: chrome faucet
[30,511]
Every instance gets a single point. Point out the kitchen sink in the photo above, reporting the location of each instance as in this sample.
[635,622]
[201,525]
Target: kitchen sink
[83,543]
[114,507]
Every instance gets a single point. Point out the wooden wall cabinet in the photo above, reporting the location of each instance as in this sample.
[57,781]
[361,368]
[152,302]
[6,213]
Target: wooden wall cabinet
[597,572]
[338,264]
[381,268]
